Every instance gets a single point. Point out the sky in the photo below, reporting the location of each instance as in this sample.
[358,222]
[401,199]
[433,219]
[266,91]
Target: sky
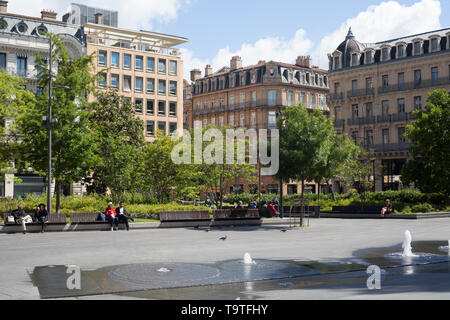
[256,30]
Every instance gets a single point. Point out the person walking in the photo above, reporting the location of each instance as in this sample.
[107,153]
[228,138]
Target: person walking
[111,216]
[122,215]
[41,216]
[20,217]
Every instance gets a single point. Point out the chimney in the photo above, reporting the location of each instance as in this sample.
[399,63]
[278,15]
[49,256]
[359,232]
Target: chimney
[261,61]
[48,14]
[236,63]
[304,61]
[3,6]
[195,75]
[208,70]
[98,18]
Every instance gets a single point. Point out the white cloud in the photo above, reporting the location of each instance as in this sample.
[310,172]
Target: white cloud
[382,22]
[133,14]
[386,21]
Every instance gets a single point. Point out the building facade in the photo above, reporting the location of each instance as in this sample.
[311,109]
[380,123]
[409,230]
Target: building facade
[80,14]
[21,38]
[251,97]
[145,68]
[376,87]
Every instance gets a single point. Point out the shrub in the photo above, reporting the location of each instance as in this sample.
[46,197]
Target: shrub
[422,208]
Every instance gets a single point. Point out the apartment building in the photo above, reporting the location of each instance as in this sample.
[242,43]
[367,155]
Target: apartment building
[21,38]
[145,68]
[375,87]
[251,97]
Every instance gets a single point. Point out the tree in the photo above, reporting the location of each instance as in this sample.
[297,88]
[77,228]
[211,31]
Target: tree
[430,146]
[304,136]
[13,102]
[72,141]
[119,140]
[340,152]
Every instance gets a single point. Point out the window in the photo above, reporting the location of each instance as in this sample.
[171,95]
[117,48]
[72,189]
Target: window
[127,61]
[385,54]
[213,121]
[127,83]
[354,87]
[231,120]
[21,67]
[102,58]
[242,120]
[173,88]
[22,27]
[434,76]
[385,83]
[401,138]
[290,98]
[232,100]
[369,110]
[401,81]
[401,105]
[271,120]
[150,107]
[172,67]
[368,57]
[139,63]
[172,109]
[434,44]
[161,108]
[2,60]
[385,136]
[253,118]
[354,59]
[418,103]
[150,128]
[172,127]
[242,99]
[385,107]
[150,64]
[400,51]
[161,66]
[138,105]
[369,85]
[39,91]
[369,138]
[150,85]
[115,81]
[337,113]
[355,111]
[417,78]
[114,59]
[272,97]
[243,80]
[138,84]
[336,62]
[220,121]
[253,98]
[162,86]
[417,48]
[102,80]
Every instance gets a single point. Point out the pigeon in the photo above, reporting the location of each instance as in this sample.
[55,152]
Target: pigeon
[207,230]
[283,230]
[223,238]
[196,227]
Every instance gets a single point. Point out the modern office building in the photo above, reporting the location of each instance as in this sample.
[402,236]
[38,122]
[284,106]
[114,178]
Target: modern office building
[144,67]
[21,39]
[80,14]
[251,97]
[375,87]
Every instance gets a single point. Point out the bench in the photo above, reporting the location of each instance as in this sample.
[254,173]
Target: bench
[89,221]
[194,218]
[224,217]
[357,209]
[310,211]
[58,220]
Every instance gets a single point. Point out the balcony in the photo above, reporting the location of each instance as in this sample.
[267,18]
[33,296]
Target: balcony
[339,123]
[360,93]
[24,74]
[401,116]
[428,83]
[400,146]
[335,97]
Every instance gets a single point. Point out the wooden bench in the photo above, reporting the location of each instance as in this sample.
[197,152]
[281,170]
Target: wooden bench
[88,221]
[357,209]
[223,217]
[194,218]
[56,222]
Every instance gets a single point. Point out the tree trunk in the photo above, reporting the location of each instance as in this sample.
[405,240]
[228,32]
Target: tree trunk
[58,194]
[302,208]
[318,191]
[332,191]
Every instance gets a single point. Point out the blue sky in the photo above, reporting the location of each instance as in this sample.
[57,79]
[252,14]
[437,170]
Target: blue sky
[264,29]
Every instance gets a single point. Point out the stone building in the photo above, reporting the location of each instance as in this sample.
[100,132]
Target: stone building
[375,87]
[251,97]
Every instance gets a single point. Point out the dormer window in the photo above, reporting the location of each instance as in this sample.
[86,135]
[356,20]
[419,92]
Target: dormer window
[400,51]
[3,24]
[417,48]
[21,27]
[434,44]
[354,59]
[336,63]
[385,54]
[41,30]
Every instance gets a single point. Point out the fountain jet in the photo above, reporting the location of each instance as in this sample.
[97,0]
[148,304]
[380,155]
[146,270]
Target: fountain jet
[248,259]
[407,249]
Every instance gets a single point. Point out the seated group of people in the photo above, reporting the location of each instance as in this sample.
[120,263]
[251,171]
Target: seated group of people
[40,216]
[115,216]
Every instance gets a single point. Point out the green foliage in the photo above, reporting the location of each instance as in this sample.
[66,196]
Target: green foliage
[422,208]
[430,147]
[119,140]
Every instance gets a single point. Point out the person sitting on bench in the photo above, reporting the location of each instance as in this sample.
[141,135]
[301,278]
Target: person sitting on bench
[387,209]
[111,215]
[20,217]
[41,216]
[122,215]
